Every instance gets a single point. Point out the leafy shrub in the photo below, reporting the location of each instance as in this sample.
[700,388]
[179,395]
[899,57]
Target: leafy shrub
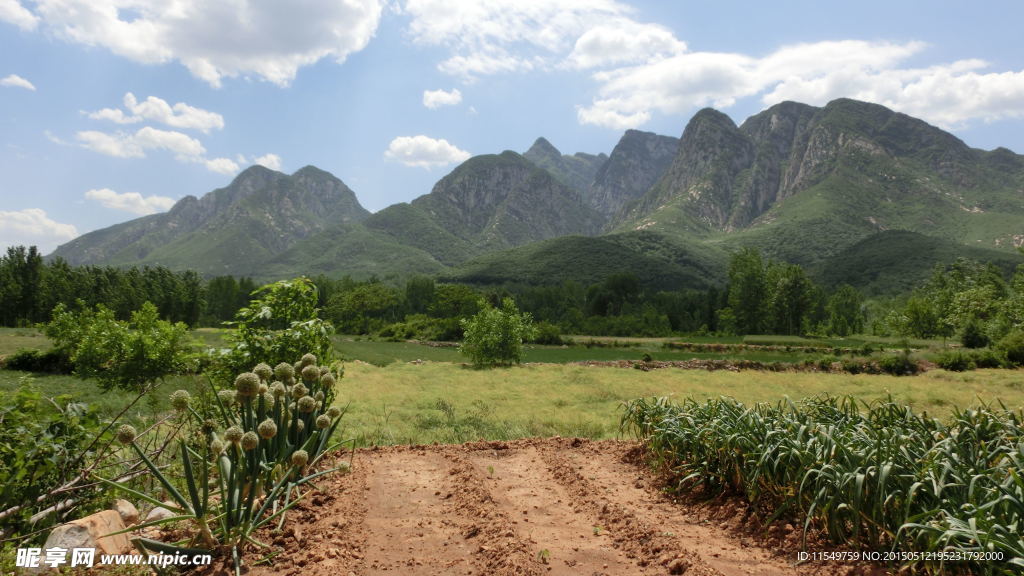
[40,441]
[986,359]
[956,361]
[49,362]
[548,334]
[1012,345]
[973,335]
[125,355]
[495,335]
[898,365]
[280,323]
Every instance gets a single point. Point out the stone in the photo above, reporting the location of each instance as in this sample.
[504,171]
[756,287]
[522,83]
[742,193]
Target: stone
[93,531]
[159,513]
[129,513]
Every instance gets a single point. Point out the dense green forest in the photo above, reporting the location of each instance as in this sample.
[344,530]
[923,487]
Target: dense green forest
[759,296]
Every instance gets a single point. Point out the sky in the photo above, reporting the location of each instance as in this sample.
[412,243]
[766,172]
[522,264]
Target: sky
[115,109]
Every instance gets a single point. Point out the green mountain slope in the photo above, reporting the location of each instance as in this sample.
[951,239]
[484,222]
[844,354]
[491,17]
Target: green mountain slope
[657,261]
[896,262]
[576,171]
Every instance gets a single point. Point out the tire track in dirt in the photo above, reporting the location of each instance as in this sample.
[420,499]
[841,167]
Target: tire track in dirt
[622,483]
[528,507]
[563,540]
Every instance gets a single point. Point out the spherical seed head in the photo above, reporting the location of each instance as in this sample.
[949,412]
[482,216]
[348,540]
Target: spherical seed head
[267,429]
[299,390]
[300,458]
[289,381]
[323,421]
[277,389]
[227,397]
[233,434]
[310,373]
[306,404]
[264,371]
[319,396]
[126,434]
[284,370]
[247,385]
[216,447]
[179,400]
[209,425]
[298,367]
[328,381]
[300,425]
[308,360]
[268,400]
[250,440]
[263,388]
[334,412]
[324,370]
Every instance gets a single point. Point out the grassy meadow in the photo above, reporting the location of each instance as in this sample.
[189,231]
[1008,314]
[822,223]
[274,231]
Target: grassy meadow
[404,392]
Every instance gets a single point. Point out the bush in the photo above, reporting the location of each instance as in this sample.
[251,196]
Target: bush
[547,333]
[126,355]
[41,440]
[495,335]
[956,361]
[1012,345]
[49,362]
[973,335]
[899,365]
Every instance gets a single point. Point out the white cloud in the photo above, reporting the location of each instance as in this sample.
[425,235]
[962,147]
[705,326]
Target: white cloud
[221,165]
[154,109]
[272,161]
[624,42]
[136,145]
[214,40]
[16,81]
[424,151]
[12,11]
[948,95]
[434,99]
[130,201]
[33,227]
[501,36]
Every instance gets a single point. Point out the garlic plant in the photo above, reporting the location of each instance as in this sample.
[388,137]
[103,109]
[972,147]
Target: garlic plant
[275,427]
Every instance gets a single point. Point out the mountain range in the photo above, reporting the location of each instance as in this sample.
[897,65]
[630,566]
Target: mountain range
[820,186]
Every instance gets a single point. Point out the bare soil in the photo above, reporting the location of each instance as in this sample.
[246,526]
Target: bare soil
[552,506]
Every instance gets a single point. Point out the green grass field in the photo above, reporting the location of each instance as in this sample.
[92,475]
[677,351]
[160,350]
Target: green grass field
[402,392]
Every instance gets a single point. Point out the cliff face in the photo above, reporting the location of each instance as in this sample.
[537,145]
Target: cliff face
[635,164]
[504,200]
[576,171]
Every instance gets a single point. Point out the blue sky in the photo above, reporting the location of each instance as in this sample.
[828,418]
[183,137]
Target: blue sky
[112,109]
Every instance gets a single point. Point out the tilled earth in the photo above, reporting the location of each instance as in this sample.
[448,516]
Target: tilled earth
[535,506]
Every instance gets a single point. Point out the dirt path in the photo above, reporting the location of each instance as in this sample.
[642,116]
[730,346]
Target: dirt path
[557,506]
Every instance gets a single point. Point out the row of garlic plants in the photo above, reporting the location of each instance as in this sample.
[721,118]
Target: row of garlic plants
[245,455]
[878,477]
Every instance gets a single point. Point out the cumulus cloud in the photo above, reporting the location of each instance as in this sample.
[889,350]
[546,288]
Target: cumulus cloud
[214,40]
[15,81]
[272,161]
[12,11]
[434,99]
[505,35]
[155,109]
[624,42]
[130,201]
[424,151]
[948,94]
[33,227]
[137,144]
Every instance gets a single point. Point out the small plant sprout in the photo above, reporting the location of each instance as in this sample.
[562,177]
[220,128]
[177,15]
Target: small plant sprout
[544,556]
[598,530]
